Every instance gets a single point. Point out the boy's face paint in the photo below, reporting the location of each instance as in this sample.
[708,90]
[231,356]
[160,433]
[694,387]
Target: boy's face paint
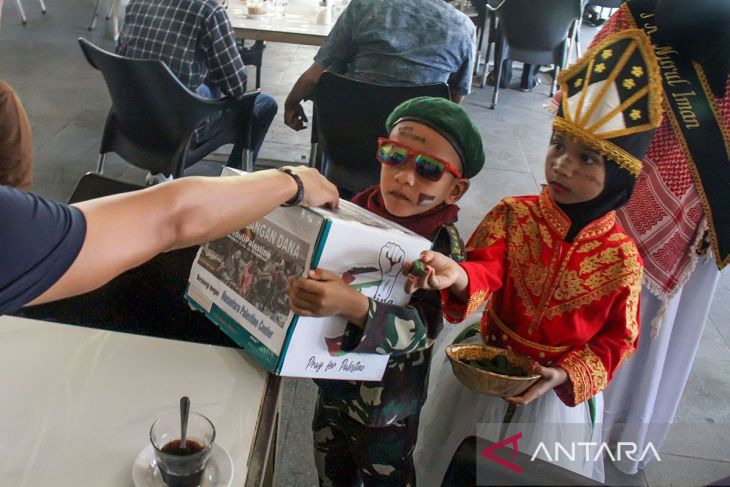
[407,194]
[425,199]
[574,171]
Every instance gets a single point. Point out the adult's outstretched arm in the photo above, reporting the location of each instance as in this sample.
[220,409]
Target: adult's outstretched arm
[125,230]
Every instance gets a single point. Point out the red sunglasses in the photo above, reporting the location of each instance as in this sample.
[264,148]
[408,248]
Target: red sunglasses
[392,153]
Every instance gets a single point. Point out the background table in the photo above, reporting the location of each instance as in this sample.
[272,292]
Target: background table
[298,27]
[77,403]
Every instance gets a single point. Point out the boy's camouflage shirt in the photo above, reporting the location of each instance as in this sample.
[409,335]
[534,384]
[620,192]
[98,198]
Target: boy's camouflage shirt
[406,333]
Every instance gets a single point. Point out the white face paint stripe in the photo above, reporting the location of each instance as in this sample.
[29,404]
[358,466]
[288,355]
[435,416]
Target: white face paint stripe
[425,199]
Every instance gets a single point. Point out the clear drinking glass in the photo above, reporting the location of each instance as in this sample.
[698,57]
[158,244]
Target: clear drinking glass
[182,468]
[279,7]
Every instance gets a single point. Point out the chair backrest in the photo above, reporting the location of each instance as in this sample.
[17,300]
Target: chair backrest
[350,116]
[535,31]
[605,3]
[93,185]
[153,114]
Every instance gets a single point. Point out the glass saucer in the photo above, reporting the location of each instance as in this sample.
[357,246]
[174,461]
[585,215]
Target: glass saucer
[218,473]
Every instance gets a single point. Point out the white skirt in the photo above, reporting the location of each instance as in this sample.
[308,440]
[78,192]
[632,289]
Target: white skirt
[454,412]
[642,398]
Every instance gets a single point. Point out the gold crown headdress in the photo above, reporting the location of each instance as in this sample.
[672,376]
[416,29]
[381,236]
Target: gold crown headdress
[611,98]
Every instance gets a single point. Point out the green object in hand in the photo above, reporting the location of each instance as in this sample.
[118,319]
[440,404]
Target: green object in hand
[419,268]
[500,364]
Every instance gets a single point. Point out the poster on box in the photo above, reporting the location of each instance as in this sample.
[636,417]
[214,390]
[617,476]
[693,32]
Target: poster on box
[240,282]
[245,274]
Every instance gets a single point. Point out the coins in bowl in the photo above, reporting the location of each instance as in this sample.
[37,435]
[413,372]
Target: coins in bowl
[469,364]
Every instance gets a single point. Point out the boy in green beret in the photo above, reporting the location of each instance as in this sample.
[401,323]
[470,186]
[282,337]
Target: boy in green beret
[366,431]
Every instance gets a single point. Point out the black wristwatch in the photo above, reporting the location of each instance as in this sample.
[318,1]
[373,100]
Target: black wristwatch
[297,198]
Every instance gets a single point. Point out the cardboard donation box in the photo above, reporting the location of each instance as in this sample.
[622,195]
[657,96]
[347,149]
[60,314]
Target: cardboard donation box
[240,282]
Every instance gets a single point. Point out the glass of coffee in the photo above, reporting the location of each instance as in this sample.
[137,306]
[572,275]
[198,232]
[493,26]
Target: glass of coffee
[182,467]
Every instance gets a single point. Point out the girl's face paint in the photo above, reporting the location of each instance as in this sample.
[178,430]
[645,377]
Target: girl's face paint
[574,171]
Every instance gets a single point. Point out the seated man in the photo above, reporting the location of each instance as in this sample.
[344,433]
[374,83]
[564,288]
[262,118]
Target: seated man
[16,142]
[195,39]
[393,42]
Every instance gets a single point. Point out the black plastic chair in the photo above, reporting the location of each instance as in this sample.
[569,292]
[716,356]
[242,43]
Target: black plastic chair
[252,56]
[93,185]
[488,7]
[349,116]
[605,3]
[153,119]
[534,32]
[147,300]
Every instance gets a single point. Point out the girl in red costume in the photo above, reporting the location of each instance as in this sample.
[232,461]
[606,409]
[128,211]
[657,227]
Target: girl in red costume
[560,277]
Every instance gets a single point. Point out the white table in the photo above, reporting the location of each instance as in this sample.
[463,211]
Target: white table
[299,27]
[77,403]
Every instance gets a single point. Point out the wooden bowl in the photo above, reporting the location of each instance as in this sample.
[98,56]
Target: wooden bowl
[485,381]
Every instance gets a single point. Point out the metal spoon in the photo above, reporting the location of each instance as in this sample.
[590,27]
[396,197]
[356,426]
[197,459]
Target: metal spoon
[184,410]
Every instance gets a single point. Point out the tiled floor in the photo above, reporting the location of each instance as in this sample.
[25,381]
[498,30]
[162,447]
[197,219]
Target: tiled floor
[67,103]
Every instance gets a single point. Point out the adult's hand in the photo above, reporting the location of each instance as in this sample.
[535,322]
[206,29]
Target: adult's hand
[318,191]
[294,116]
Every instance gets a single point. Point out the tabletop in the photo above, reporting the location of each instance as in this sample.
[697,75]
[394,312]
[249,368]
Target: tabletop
[296,27]
[78,403]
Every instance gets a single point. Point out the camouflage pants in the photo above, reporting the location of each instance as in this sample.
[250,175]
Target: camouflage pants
[347,452]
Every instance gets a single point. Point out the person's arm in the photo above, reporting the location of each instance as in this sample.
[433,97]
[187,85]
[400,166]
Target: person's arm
[465,286]
[373,326]
[294,115]
[590,369]
[124,231]
[460,81]
[335,53]
[454,97]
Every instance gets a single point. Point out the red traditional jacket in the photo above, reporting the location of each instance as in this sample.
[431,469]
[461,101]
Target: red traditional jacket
[573,305]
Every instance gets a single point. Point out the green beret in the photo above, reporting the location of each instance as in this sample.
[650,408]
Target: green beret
[448,119]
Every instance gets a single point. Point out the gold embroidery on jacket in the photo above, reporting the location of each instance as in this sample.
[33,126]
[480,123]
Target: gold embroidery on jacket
[586,372]
[490,230]
[616,237]
[475,300]
[588,246]
[544,292]
[604,282]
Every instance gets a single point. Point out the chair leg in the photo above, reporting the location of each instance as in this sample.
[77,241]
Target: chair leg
[92,23]
[109,12]
[498,62]
[497,79]
[23,19]
[248,160]
[492,33]
[43,6]
[100,163]
[313,155]
[480,44]
[554,84]
[485,73]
